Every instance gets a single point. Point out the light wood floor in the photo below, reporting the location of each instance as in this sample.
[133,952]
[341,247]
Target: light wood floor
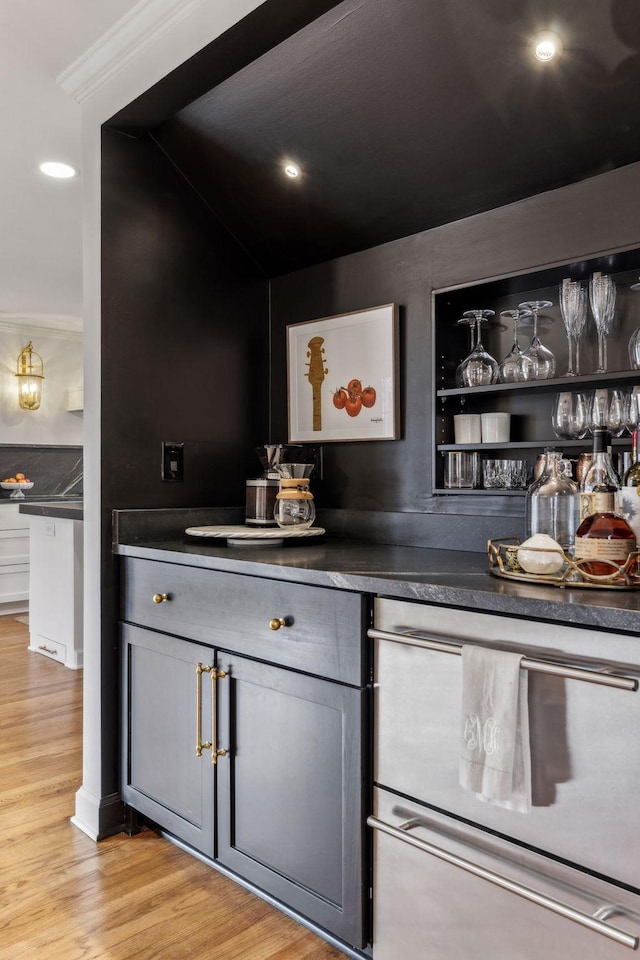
[63,897]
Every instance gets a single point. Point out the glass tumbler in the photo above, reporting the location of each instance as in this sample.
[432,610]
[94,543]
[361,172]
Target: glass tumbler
[460,470]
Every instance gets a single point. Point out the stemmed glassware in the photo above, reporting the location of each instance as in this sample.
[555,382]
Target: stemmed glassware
[543,362]
[573,307]
[515,366]
[634,340]
[570,416]
[602,297]
[471,323]
[631,414]
[607,409]
[479,368]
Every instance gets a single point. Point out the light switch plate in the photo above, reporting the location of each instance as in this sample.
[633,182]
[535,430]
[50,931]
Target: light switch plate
[172,461]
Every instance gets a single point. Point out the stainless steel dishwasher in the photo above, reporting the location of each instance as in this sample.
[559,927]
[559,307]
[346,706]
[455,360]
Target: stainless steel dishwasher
[456,878]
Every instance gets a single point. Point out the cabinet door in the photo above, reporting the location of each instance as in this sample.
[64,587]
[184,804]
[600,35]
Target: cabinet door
[290,792]
[167,773]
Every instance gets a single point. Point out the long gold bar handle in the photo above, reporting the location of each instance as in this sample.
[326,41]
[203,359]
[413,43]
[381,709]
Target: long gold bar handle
[215,753]
[200,746]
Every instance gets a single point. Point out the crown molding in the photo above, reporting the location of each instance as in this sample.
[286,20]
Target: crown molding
[134,33]
[63,326]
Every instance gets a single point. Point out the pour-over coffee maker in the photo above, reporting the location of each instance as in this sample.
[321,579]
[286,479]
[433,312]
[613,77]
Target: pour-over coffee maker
[262,492]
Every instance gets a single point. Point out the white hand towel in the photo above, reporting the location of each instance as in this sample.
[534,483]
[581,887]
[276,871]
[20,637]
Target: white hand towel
[495,755]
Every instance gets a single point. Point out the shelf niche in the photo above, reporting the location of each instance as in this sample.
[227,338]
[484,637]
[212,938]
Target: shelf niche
[530,404]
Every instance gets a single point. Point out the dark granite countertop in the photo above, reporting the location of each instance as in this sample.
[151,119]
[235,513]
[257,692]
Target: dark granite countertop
[58,509]
[445,577]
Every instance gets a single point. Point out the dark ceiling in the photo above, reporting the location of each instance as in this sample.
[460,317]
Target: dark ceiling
[407,114]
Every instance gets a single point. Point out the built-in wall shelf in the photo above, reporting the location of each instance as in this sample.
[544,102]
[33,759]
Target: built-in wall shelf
[530,403]
[512,445]
[590,381]
[482,493]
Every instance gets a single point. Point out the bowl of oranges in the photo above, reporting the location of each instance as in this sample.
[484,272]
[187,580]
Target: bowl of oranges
[17,484]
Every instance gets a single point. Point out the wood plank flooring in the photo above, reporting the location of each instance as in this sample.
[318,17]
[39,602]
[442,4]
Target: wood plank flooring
[64,897]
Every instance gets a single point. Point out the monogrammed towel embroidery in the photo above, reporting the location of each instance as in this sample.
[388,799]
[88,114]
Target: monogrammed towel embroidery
[494,753]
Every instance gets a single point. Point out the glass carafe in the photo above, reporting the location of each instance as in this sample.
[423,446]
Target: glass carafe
[553,504]
[294,504]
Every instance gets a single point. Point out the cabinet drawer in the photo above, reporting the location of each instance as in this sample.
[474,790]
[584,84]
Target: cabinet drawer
[323,632]
[12,519]
[48,648]
[14,582]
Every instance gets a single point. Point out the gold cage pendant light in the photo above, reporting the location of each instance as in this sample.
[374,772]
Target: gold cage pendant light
[30,374]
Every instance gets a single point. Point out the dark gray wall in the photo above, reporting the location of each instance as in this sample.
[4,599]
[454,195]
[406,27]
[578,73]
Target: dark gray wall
[185,351]
[572,223]
[185,357]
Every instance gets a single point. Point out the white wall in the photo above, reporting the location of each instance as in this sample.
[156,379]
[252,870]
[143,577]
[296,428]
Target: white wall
[52,423]
[182,28]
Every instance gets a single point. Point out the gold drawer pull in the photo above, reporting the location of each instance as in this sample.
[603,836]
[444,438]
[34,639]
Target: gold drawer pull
[160,597]
[278,622]
[215,752]
[200,746]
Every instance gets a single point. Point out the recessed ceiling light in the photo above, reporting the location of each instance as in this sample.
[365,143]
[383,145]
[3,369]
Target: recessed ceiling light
[292,170]
[60,170]
[546,46]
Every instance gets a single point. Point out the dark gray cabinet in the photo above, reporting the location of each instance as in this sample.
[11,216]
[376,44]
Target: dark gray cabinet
[290,790]
[166,716]
[251,747]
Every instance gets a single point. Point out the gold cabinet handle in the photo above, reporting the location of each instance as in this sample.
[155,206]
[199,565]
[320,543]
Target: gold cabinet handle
[278,622]
[160,597]
[215,753]
[200,746]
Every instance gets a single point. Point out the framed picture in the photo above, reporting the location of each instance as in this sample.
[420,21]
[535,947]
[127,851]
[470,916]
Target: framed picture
[342,375]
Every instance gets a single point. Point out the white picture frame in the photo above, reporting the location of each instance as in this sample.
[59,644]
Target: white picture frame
[342,377]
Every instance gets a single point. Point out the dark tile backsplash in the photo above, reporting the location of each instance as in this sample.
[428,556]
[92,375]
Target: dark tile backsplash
[56,471]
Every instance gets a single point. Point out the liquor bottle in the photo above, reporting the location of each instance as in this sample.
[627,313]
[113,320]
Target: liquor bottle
[600,483]
[604,538]
[632,476]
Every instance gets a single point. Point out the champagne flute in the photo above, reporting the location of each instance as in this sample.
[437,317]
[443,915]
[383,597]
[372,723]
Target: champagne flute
[543,362]
[634,340]
[573,307]
[602,297]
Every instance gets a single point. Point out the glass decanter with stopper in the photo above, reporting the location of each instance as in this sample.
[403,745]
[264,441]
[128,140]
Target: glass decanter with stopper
[552,502]
[604,538]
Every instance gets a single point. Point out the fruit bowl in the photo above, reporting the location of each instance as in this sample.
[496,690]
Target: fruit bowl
[16,488]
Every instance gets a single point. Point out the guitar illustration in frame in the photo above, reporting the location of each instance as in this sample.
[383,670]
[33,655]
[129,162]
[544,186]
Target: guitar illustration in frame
[316,372]
[342,377]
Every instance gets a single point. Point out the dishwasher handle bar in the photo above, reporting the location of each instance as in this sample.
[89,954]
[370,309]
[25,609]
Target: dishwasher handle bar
[555,906]
[539,666]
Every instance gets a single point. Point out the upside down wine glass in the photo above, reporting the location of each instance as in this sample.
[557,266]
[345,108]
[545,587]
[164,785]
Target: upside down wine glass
[471,323]
[602,297]
[478,369]
[543,362]
[514,366]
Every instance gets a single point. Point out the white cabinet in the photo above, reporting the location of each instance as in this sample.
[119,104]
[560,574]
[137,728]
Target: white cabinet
[14,559]
[55,589]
